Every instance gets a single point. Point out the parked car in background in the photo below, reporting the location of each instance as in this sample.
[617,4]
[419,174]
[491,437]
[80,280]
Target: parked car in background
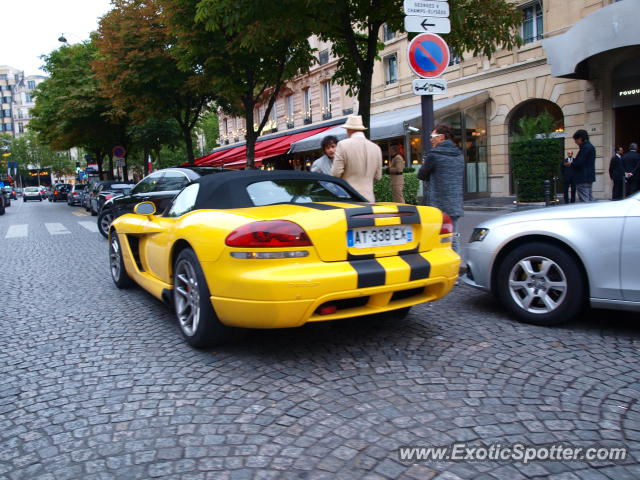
[6,193]
[83,194]
[114,190]
[44,191]
[94,190]
[73,197]
[60,192]
[18,192]
[31,193]
[546,266]
[159,187]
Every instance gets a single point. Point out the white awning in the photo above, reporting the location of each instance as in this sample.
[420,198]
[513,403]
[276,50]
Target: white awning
[606,29]
[391,124]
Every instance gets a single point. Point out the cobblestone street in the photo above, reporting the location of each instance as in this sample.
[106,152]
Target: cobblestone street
[97,383]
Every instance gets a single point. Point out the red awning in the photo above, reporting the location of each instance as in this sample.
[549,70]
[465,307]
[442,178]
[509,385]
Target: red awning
[235,157]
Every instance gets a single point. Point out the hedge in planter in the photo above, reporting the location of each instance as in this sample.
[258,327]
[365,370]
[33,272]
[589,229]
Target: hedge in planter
[382,189]
[535,161]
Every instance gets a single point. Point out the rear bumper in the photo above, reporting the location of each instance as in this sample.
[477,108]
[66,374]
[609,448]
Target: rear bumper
[297,293]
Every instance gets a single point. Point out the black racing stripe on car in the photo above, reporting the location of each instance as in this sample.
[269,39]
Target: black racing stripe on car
[420,266]
[409,252]
[409,219]
[370,273]
[354,222]
[318,206]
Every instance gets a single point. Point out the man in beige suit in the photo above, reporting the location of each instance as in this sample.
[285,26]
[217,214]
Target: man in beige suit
[358,160]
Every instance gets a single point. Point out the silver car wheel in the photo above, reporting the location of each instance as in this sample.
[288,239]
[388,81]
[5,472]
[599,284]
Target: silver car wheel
[114,258]
[105,221]
[537,285]
[187,298]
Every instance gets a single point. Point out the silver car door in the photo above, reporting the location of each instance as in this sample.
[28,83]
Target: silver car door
[630,254]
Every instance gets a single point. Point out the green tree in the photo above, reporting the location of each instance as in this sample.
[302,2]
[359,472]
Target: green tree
[214,37]
[70,110]
[209,127]
[353,27]
[139,72]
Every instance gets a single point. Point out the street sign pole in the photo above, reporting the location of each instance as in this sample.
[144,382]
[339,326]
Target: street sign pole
[427,124]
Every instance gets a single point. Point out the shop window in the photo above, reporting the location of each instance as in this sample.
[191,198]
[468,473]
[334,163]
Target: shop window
[324,56]
[532,25]
[391,68]
[388,34]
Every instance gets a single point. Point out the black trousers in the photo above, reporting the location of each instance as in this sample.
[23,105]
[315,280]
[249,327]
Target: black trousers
[631,187]
[565,187]
[618,190]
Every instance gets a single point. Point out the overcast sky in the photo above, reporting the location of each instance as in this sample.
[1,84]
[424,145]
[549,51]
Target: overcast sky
[31,28]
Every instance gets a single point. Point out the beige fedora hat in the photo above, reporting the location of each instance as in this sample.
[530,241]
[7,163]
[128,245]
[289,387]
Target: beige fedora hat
[354,122]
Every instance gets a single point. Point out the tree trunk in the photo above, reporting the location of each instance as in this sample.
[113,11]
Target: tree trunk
[251,135]
[145,160]
[188,143]
[99,159]
[364,99]
[125,171]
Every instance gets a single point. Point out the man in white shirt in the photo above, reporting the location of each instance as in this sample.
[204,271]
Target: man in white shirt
[325,162]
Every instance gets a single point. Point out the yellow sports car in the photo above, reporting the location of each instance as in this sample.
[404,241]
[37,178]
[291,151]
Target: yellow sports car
[278,249]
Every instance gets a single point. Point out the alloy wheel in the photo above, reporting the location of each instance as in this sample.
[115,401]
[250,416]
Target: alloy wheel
[537,285]
[115,257]
[105,221]
[187,297]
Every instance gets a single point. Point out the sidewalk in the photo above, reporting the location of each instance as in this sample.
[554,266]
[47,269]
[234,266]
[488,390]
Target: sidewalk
[490,204]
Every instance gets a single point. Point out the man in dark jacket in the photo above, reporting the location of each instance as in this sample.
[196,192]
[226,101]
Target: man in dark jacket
[616,172]
[568,182]
[631,164]
[443,167]
[584,166]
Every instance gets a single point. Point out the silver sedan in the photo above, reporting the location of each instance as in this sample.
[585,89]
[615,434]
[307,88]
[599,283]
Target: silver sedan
[546,265]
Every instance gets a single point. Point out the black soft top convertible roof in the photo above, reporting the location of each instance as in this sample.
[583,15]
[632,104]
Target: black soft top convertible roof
[229,189]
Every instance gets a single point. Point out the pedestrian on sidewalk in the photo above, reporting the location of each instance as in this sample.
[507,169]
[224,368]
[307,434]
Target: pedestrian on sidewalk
[358,160]
[616,172]
[325,162]
[443,168]
[568,182]
[631,164]
[396,169]
[584,165]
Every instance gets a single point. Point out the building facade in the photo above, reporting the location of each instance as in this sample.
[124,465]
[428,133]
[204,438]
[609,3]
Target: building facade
[16,90]
[579,63]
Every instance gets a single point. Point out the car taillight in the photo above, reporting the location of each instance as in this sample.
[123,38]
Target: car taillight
[75,193]
[447,225]
[55,192]
[269,234]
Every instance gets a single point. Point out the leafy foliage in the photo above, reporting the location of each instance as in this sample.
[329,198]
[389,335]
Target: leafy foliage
[382,188]
[542,124]
[534,161]
[140,73]
[70,111]
[209,127]
[217,38]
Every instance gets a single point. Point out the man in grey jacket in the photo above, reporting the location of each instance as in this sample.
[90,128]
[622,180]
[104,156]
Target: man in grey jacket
[443,168]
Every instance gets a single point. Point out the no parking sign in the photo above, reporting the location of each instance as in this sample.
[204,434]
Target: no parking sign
[428,55]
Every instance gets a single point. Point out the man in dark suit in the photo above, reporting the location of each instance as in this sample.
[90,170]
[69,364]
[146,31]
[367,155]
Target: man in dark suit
[568,182]
[616,172]
[631,164]
[584,165]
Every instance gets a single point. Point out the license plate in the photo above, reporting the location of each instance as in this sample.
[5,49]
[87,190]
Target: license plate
[371,237]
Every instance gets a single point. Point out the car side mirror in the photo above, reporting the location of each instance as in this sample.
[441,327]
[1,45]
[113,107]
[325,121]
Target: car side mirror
[145,208]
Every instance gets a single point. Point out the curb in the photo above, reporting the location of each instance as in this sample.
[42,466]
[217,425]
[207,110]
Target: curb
[474,208]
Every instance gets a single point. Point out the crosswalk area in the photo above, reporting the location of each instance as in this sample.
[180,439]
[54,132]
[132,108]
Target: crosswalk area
[53,229]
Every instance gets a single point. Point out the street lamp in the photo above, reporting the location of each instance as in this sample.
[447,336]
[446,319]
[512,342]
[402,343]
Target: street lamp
[62,39]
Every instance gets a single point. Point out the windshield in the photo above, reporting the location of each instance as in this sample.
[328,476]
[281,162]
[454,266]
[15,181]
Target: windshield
[31,189]
[297,191]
